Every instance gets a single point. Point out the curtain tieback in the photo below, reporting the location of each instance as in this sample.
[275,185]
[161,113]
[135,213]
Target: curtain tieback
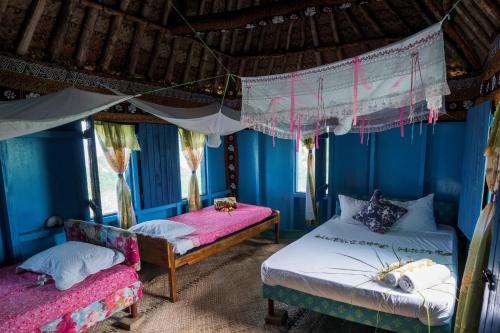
[193,172]
[120,175]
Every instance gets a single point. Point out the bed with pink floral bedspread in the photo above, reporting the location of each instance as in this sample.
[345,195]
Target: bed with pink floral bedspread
[211,224]
[27,306]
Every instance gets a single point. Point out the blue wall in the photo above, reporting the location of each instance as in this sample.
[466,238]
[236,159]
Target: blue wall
[44,174]
[41,175]
[400,167]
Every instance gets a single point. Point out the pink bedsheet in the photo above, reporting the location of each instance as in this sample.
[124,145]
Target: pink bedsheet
[211,224]
[25,306]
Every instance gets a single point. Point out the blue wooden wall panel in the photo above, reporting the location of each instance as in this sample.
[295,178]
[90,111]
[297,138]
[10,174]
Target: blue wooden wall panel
[399,166]
[43,175]
[399,163]
[471,195]
[216,168]
[159,165]
[351,164]
[248,173]
[444,156]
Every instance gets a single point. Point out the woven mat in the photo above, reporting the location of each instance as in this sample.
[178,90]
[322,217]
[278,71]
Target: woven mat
[221,294]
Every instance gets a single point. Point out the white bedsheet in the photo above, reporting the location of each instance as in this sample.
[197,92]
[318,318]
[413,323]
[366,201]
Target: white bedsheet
[317,264]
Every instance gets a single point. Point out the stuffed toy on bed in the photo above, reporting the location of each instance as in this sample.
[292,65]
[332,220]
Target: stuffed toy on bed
[225,204]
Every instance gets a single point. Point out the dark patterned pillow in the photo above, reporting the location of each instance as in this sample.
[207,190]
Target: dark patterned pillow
[378,214]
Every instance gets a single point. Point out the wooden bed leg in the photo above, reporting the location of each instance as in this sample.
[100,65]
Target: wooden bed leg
[131,322]
[275,317]
[134,310]
[172,277]
[277,233]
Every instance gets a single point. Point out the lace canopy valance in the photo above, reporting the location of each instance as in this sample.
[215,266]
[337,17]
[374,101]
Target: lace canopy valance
[398,84]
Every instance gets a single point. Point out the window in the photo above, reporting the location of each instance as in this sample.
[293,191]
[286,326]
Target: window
[107,178]
[185,172]
[301,168]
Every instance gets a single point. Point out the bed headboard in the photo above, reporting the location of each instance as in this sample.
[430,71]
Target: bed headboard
[445,212]
[107,236]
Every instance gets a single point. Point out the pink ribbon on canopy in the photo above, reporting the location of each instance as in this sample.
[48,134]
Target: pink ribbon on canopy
[297,141]
[401,121]
[292,102]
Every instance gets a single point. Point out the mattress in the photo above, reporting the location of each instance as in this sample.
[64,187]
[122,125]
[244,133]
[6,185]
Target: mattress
[26,306]
[338,260]
[211,224]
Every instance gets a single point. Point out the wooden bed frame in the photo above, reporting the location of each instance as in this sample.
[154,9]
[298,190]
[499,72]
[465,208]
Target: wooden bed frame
[160,252]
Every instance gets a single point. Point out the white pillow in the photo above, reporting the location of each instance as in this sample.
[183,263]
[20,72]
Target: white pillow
[420,215]
[71,262]
[163,229]
[350,207]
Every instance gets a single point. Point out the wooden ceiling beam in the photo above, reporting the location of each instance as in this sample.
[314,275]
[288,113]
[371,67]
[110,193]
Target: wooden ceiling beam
[3,7]
[335,34]
[491,9]
[402,22]
[373,24]
[240,17]
[34,14]
[324,48]
[315,39]
[468,52]
[189,63]
[289,35]
[353,24]
[85,36]
[169,73]
[62,24]
[480,18]
[160,35]
[112,38]
[474,26]
[137,41]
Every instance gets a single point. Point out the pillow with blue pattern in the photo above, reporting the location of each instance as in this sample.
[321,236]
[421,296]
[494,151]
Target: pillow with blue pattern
[378,214]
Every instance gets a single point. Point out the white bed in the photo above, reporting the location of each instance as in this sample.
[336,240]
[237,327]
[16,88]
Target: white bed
[318,264]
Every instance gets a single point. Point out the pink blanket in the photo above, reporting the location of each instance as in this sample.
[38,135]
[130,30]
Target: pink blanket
[211,224]
[25,306]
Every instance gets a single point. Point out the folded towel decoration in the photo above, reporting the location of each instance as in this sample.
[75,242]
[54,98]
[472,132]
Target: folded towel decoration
[394,272]
[423,278]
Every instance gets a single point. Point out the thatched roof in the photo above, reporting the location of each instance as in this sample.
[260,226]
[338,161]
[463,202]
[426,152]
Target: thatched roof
[148,41]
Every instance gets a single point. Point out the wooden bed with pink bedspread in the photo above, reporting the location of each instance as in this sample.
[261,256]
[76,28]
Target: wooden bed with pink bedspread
[215,231]
[28,306]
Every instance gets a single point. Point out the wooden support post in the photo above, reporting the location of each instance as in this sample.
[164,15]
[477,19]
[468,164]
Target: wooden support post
[172,277]
[275,317]
[131,322]
[85,37]
[35,13]
[277,233]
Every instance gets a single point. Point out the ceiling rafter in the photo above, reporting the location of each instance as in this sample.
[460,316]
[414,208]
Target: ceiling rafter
[240,17]
[160,35]
[112,38]
[324,48]
[85,37]
[473,26]
[63,20]
[491,10]
[34,15]
[315,39]
[485,22]
[368,17]
[469,53]
[335,34]
[137,41]
[392,10]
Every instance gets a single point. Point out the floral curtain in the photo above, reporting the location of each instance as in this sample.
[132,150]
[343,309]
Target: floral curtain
[193,147]
[311,211]
[472,288]
[117,142]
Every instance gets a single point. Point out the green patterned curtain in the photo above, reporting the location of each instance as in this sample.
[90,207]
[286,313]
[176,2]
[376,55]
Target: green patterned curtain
[311,209]
[472,288]
[193,147]
[117,142]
